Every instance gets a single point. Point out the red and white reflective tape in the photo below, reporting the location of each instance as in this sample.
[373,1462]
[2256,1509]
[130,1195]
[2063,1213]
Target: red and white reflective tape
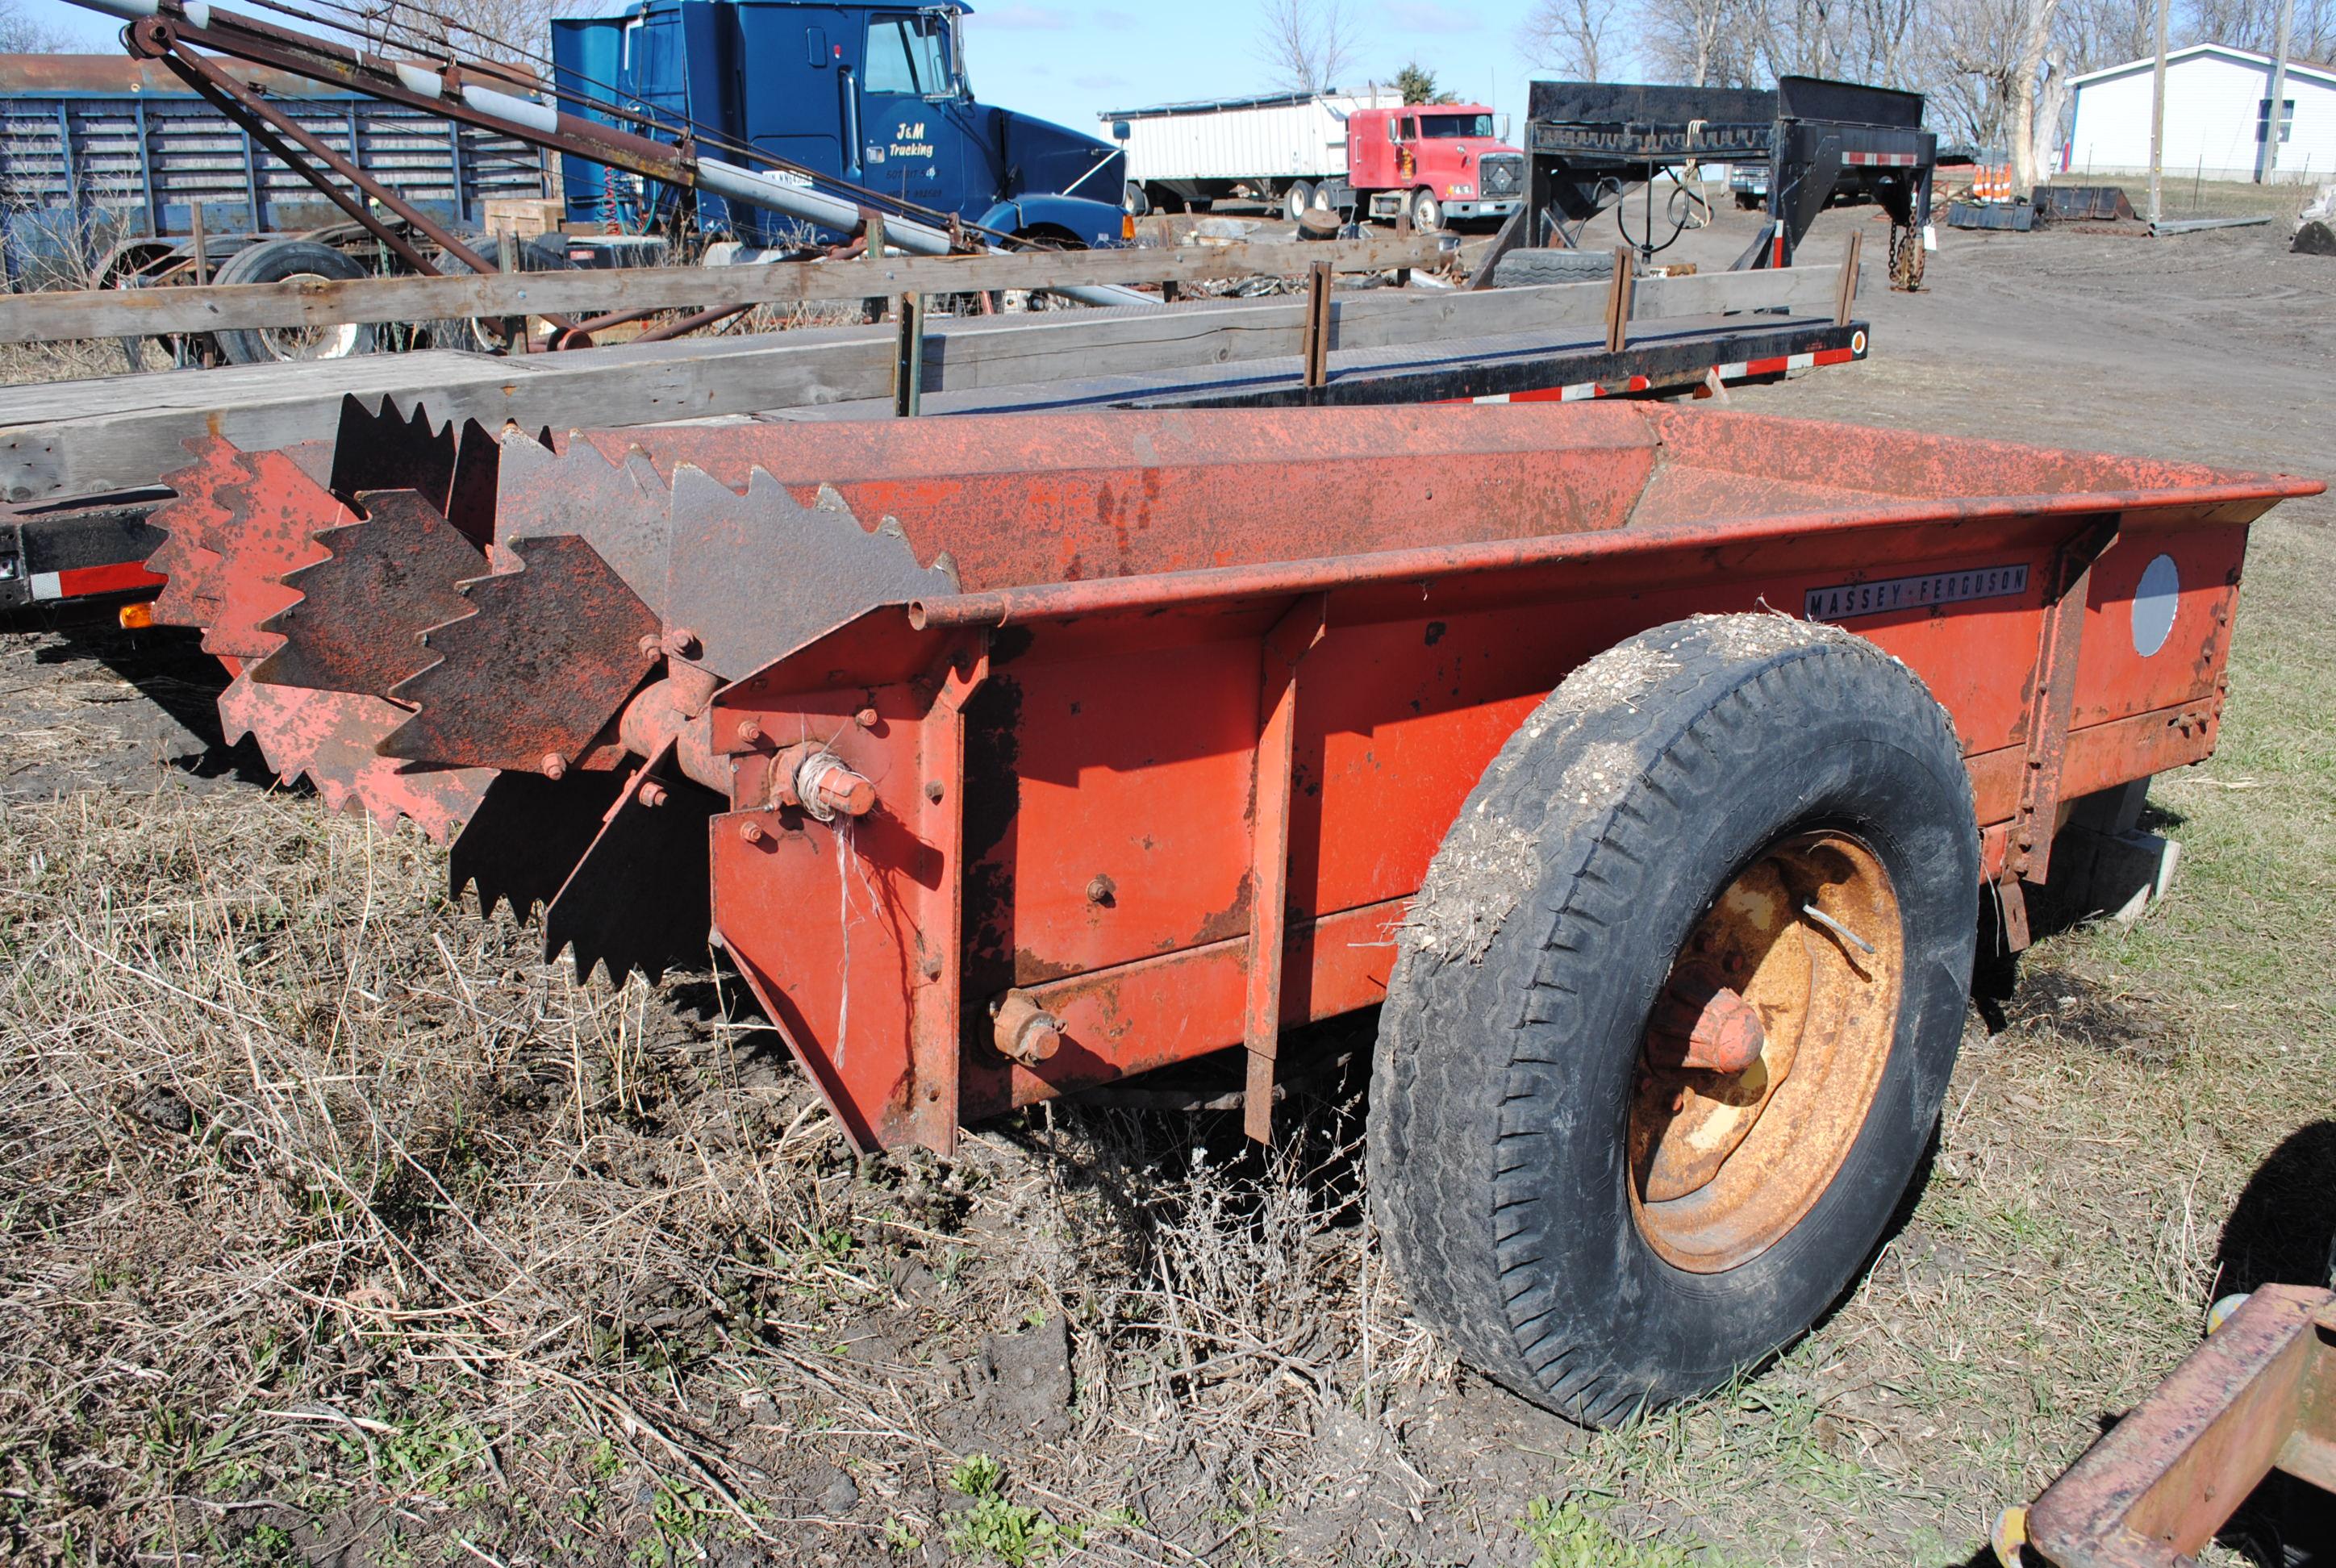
[1582,391]
[83,582]
[1881,160]
[1779,364]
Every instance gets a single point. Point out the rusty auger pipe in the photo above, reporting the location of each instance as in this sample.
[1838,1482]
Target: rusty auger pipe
[477,98]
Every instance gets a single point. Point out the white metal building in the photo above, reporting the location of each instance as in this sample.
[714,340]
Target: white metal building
[2217,104]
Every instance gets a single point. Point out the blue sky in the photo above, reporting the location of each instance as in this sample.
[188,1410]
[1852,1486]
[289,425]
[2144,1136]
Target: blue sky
[1069,63]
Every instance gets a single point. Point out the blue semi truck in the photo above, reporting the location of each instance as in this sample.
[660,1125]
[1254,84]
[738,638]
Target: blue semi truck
[874,96]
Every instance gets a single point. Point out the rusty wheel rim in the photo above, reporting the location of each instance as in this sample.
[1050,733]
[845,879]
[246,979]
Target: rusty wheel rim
[1764,1052]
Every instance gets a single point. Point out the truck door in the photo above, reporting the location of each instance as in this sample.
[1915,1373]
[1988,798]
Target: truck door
[912,144]
[795,83]
[654,70]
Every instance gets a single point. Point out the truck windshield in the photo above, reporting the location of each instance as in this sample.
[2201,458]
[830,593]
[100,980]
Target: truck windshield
[1447,126]
[909,54]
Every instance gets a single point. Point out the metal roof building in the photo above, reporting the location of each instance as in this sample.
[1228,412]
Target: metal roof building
[2217,114]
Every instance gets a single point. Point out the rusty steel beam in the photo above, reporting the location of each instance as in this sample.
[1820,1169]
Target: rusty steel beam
[1285,646]
[2259,1396]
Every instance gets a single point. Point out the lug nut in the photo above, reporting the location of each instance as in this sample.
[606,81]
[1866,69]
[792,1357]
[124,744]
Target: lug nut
[651,794]
[751,832]
[750,730]
[648,642]
[865,718]
[679,643]
[1100,889]
[553,766]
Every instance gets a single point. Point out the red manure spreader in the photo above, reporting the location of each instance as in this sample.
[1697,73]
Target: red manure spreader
[1647,766]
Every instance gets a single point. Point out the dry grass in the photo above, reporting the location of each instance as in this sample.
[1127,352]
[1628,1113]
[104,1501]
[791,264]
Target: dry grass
[74,359]
[333,1215]
[337,1218]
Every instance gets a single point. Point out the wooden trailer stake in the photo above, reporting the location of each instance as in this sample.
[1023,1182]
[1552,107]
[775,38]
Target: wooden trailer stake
[908,358]
[1845,291]
[1618,302]
[1318,324]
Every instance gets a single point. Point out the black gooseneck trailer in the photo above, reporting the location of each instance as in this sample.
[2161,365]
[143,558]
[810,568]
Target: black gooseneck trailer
[1588,143]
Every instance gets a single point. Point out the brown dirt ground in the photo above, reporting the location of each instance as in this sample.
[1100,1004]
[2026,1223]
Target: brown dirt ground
[341,1229]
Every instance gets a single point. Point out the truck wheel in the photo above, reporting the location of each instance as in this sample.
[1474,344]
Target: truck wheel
[1426,212]
[280,261]
[1528,266]
[1133,199]
[1737,841]
[1298,200]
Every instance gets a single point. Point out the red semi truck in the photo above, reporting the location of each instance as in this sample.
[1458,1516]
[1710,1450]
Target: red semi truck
[1369,154]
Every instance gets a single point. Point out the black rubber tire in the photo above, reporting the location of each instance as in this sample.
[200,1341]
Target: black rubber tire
[272,261]
[1426,212]
[1592,846]
[1527,266]
[1132,201]
[1298,200]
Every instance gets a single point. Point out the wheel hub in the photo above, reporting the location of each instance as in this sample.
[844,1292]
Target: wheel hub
[1763,1050]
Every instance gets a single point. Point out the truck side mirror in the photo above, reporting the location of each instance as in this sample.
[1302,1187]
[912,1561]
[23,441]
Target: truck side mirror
[1120,131]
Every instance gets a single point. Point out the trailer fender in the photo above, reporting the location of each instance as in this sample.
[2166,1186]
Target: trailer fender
[1095,223]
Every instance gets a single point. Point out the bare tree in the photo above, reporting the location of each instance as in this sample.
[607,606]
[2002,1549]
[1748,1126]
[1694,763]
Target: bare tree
[1697,41]
[22,34]
[1578,37]
[1306,45]
[514,33]
[2093,33]
[1800,37]
[1883,40]
[2255,25]
[1969,75]
[2027,85]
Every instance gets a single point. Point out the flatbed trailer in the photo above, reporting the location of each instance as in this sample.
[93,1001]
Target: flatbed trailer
[58,553]
[50,439]
[1646,767]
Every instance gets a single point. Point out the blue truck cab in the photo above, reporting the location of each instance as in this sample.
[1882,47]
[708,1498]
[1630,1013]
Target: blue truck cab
[872,95]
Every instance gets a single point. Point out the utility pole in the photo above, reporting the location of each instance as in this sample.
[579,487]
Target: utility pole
[2157,120]
[2267,166]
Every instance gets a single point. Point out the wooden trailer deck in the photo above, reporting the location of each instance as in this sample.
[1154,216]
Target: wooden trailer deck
[86,437]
